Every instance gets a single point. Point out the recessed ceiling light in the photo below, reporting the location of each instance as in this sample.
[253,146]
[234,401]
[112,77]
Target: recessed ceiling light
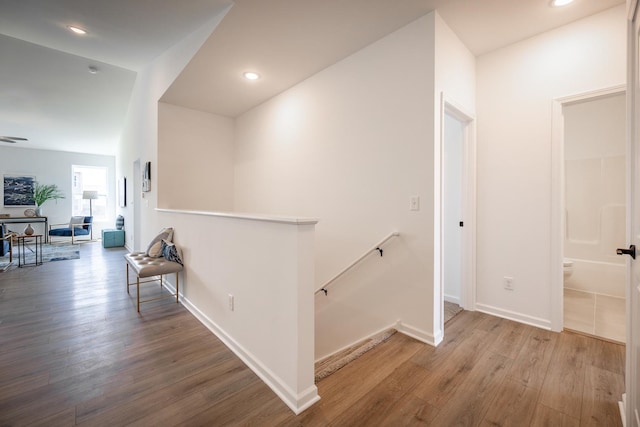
[250,75]
[76,30]
[559,3]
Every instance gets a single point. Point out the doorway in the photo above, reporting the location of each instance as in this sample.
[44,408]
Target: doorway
[591,209]
[457,240]
[595,207]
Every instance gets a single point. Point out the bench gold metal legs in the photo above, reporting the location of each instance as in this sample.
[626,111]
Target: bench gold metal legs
[151,279]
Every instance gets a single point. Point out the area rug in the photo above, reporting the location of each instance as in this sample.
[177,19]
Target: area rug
[49,253]
[328,366]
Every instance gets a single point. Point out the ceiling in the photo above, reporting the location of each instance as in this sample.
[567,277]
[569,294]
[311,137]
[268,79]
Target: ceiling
[48,95]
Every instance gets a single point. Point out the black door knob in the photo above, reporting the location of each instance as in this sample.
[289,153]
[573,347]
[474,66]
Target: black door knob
[631,251]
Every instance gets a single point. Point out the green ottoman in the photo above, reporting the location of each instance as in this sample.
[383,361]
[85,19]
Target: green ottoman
[112,238]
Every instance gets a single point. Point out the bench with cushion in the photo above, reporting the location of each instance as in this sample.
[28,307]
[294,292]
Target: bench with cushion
[162,257]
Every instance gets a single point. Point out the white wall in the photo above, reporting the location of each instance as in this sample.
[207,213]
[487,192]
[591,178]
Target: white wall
[349,146]
[266,264]
[195,159]
[516,86]
[455,83]
[54,167]
[139,139]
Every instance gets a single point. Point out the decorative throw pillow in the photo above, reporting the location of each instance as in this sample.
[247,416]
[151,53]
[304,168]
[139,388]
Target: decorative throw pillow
[88,220]
[155,247]
[171,252]
[76,221]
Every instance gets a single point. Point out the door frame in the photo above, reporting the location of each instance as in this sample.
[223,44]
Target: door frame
[628,404]
[556,270]
[468,284]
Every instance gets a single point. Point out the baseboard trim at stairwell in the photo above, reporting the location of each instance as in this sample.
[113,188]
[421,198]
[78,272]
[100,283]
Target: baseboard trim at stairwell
[419,334]
[297,402]
[515,316]
[355,343]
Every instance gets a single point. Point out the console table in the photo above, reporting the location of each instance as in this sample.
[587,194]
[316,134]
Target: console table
[28,220]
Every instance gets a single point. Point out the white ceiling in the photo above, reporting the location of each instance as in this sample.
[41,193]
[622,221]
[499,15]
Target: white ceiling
[48,95]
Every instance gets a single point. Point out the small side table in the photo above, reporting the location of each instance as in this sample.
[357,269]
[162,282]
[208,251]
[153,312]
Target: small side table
[22,240]
[112,238]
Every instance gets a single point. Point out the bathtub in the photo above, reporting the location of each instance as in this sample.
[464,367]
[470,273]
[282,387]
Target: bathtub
[605,278]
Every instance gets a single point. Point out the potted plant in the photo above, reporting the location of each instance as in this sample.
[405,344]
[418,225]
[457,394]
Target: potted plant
[44,192]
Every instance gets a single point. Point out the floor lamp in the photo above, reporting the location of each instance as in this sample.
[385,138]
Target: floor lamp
[90,195]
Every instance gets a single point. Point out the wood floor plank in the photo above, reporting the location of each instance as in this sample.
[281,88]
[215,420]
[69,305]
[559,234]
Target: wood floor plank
[531,365]
[444,381]
[356,380]
[511,339]
[548,417]
[469,405]
[513,406]
[606,355]
[383,399]
[456,331]
[602,391]
[410,411]
[564,382]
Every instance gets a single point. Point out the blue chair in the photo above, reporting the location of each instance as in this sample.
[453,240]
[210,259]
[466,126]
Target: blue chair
[71,229]
[6,244]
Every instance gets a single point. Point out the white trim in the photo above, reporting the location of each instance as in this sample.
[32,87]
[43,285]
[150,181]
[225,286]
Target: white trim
[252,217]
[557,226]
[468,290]
[419,334]
[512,315]
[632,8]
[357,342]
[631,359]
[623,411]
[297,402]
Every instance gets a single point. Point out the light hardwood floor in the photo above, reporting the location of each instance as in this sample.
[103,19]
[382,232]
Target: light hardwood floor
[73,351]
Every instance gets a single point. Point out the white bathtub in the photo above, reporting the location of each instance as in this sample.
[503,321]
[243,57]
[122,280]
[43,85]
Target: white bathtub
[605,278]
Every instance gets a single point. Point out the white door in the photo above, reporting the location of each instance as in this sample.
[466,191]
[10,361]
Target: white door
[633,220]
[460,252]
[453,155]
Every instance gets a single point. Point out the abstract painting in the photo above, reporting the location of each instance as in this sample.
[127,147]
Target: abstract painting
[18,190]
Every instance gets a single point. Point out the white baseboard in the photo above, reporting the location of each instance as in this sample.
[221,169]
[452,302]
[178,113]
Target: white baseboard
[419,334]
[622,405]
[297,402]
[356,342]
[515,316]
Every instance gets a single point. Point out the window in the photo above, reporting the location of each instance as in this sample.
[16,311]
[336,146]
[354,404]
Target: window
[89,178]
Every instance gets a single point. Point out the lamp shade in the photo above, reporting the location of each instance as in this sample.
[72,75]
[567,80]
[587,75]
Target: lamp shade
[91,195]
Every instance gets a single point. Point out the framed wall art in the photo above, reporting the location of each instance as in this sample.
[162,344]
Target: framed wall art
[122,192]
[146,177]
[18,190]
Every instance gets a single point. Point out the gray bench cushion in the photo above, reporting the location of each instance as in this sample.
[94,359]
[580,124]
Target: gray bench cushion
[146,266]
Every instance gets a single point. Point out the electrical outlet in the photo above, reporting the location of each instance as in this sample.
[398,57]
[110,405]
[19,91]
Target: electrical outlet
[414,203]
[508,283]
[231,302]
